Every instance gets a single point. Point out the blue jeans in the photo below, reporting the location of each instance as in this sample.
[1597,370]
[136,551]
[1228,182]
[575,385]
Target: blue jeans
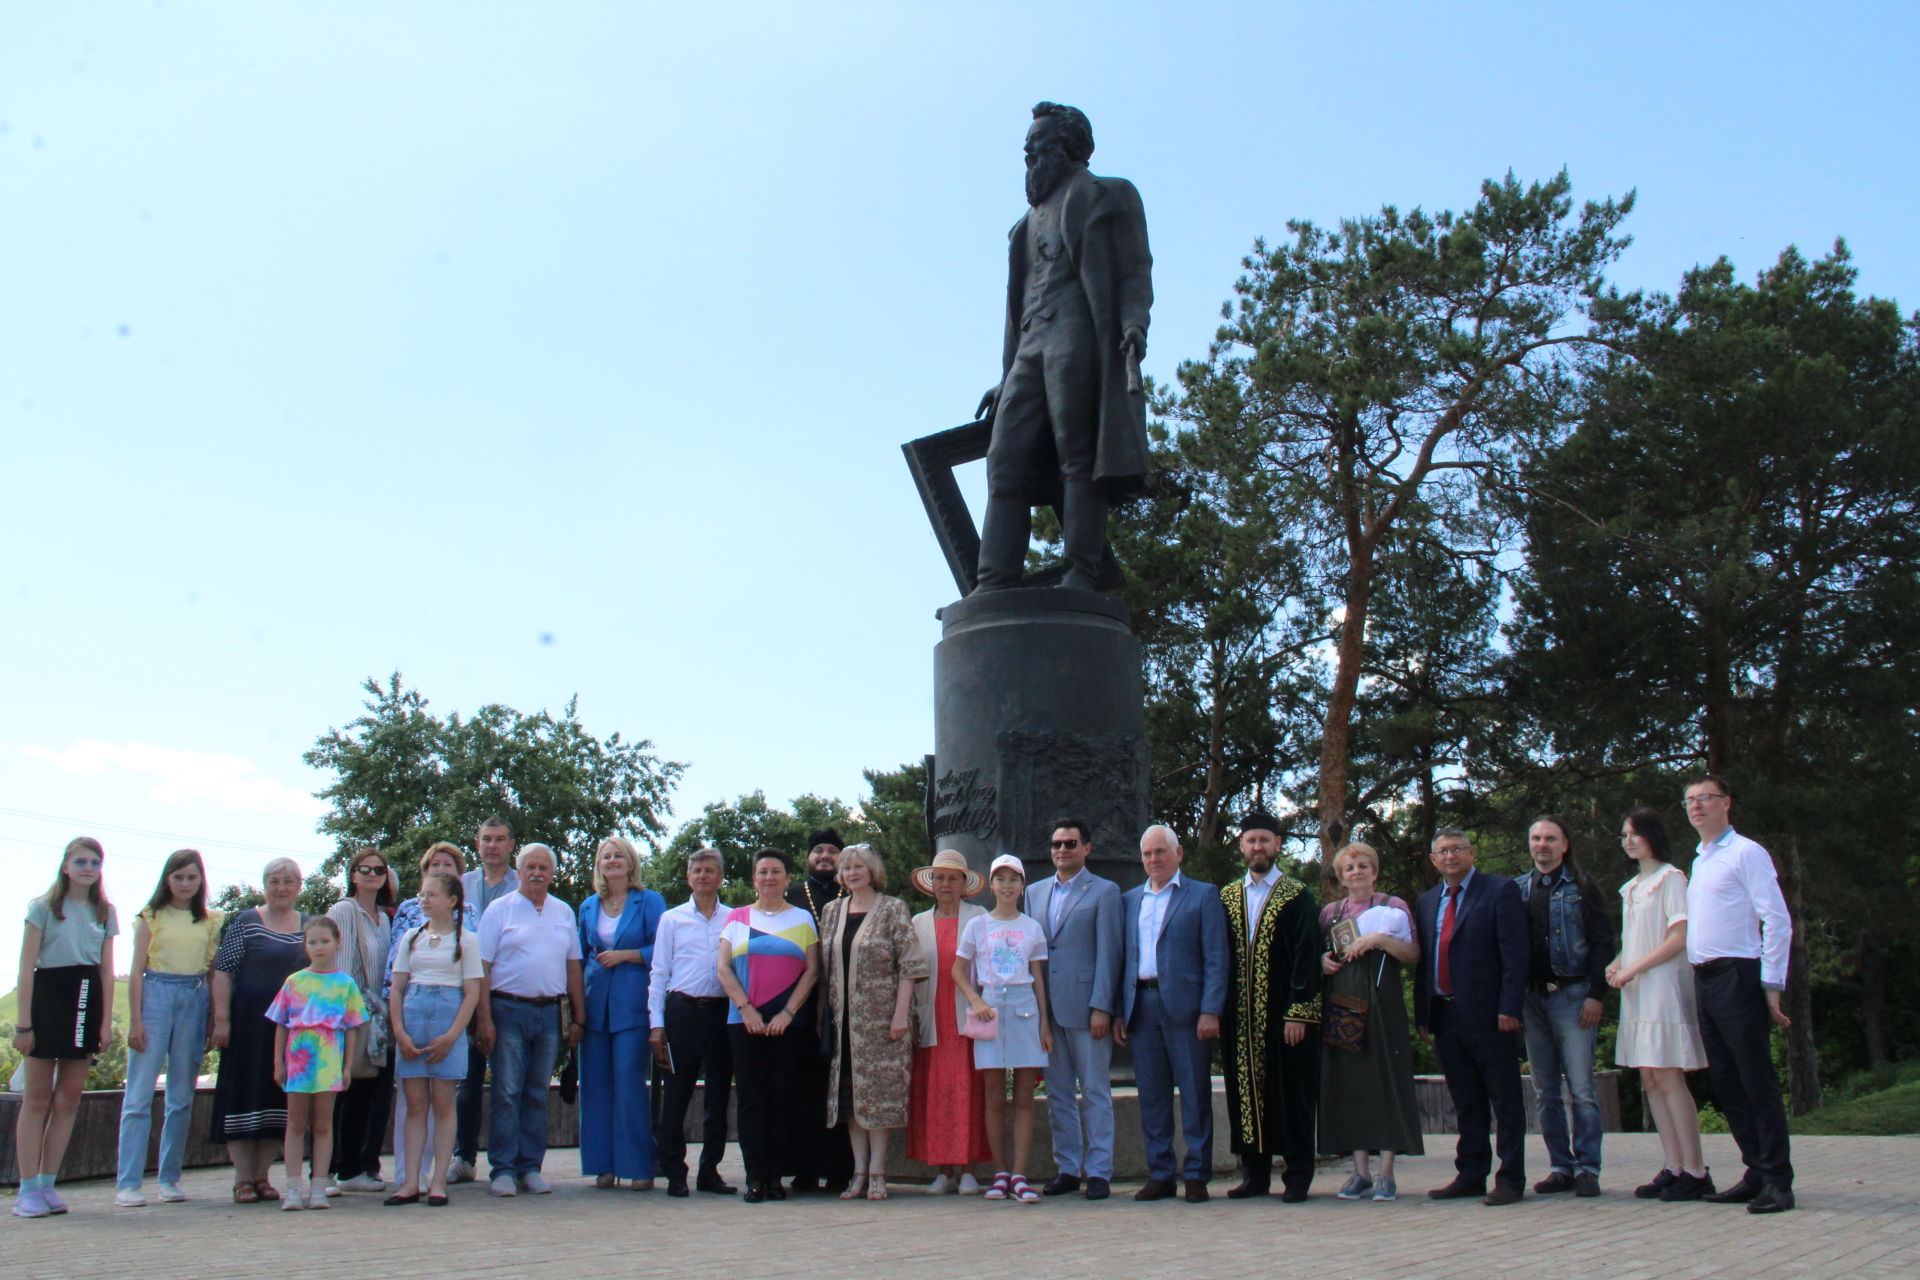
[173,1010]
[1558,1047]
[526,1044]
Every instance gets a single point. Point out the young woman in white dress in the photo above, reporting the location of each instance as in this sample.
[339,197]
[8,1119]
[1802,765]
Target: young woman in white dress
[1659,1026]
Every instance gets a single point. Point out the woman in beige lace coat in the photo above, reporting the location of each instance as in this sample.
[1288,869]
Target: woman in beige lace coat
[871,961]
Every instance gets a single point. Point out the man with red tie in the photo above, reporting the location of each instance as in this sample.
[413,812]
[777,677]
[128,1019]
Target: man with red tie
[1473,978]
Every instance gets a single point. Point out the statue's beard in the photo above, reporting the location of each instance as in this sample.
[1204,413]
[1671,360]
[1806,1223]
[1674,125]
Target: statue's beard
[1048,170]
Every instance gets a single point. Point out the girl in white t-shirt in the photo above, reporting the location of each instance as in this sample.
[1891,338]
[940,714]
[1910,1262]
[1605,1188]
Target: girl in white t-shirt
[998,971]
[436,987]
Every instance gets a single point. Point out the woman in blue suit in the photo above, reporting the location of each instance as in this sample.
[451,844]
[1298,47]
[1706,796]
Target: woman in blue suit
[617,925]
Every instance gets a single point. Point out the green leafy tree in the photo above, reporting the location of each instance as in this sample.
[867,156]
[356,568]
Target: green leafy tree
[405,778]
[1730,537]
[1385,375]
[892,819]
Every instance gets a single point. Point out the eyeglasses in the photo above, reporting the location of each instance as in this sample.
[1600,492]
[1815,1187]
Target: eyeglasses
[369,871]
[1065,844]
[1694,802]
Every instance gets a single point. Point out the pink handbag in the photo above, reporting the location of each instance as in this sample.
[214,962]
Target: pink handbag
[978,1028]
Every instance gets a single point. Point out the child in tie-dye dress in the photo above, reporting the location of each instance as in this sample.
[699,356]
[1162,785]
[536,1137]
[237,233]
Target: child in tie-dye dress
[319,1010]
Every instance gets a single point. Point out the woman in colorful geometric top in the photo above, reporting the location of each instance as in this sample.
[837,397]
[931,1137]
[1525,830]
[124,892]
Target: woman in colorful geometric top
[767,958]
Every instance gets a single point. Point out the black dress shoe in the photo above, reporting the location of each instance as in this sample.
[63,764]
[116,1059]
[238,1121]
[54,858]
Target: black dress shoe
[1249,1189]
[1586,1185]
[1772,1199]
[1293,1195]
[1553,1184]
[713,1184]
[1458,1189]
[1661,1181]
[776,1192]
[1503,1193]
[754,1194]
[1687,1187]
[804,1186]
[1060,1184]
[1155,1189]
[677,1186]
[1739,1193]
[1197,1191]
[1097,1189]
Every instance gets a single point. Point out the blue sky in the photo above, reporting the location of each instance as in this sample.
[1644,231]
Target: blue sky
[550,348]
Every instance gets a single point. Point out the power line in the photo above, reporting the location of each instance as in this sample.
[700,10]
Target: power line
[185,840]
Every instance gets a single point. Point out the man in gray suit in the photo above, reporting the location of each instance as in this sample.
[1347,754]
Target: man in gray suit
[1174,985]
[1080,913]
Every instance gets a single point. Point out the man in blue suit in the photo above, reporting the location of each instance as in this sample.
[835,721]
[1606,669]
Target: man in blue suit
[1173,987]
[1473,978]
[1080,913]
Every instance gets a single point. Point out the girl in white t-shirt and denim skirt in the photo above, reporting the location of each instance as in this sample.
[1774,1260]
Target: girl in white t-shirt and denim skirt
[998,971]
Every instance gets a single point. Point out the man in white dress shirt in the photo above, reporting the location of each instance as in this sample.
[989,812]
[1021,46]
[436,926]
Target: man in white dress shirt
[530,948]
[1738,934]
[688,1013]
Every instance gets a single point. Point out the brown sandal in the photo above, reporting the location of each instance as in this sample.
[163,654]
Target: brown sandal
[243,1193]
[265,1190]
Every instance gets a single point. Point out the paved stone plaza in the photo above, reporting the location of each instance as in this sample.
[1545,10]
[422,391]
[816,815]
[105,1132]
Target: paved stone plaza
[1859,1216]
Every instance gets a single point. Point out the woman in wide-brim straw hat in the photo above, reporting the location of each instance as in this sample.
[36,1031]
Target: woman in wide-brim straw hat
[946,1121]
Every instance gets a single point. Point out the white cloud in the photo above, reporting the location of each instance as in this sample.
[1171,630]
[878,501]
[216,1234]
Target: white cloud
[202,778]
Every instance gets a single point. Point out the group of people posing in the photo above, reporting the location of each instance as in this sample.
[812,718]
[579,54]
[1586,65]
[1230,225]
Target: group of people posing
[841,1017]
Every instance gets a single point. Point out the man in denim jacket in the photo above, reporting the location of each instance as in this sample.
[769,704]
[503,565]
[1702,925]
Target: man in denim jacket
[1571,942]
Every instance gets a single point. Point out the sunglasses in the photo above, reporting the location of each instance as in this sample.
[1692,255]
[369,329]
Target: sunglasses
[1065,844]
[369,871]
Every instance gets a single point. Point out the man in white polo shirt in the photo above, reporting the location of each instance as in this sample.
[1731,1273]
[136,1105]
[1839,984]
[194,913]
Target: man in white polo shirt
[1738,932]
[530,945]
[687,1011]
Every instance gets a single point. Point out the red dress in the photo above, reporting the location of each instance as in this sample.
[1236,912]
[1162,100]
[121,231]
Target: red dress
[946,1122]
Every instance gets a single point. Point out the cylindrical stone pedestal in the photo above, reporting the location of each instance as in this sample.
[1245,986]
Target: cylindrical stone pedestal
[1039,713]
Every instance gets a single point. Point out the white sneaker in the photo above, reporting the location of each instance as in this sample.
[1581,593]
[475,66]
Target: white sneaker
[129,1198]
[318,1199]
[459,1171]
[333,1188]
[535,1184]
[363,1182]
[292,1197]
[170,1193]
[939,1186]
[502,1185]
[969,1185]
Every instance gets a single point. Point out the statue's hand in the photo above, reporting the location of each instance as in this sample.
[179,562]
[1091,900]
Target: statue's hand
[987,403]
[1134,342]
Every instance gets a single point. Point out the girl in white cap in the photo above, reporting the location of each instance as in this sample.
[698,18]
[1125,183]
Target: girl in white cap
[999,972]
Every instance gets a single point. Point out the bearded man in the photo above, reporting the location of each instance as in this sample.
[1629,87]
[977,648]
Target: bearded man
[1069,422]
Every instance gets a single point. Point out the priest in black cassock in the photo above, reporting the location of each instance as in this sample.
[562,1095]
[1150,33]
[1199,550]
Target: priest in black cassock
[1270,1036]
[822,1158]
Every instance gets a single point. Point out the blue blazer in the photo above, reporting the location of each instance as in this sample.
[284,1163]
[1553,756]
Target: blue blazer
[617,997]
[1083,955]
[1191,955]
[1487,960]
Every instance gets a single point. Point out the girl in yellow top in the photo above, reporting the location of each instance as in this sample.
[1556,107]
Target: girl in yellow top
[175,937]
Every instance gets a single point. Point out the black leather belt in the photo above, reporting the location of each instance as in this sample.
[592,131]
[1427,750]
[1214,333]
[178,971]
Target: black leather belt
[1147,984]
[701,1000]
[533,1000]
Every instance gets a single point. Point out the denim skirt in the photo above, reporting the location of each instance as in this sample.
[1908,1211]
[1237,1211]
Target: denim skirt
[1016,1041]
[429,1011]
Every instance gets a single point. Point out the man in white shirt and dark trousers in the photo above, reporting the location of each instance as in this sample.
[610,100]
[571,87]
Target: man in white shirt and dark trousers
[688,1013]
[1738,933]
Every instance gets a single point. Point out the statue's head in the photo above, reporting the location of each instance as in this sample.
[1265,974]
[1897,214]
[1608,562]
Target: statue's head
[1059,141]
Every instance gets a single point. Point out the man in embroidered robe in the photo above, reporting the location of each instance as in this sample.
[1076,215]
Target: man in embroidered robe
[1271,1036]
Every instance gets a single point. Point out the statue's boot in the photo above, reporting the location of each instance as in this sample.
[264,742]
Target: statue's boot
[1004,534]
[1083,530]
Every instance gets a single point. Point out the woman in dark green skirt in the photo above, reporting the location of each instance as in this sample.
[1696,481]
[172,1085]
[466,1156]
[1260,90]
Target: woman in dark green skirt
[1366,1069]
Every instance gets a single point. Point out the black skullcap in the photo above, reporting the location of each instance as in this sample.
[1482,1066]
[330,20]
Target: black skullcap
[826,835]
[1260,820]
